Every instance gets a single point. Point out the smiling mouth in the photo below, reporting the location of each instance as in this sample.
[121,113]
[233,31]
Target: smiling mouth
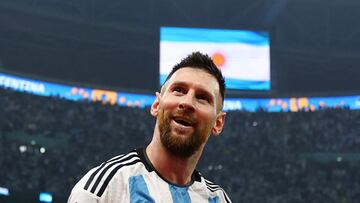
[183,122]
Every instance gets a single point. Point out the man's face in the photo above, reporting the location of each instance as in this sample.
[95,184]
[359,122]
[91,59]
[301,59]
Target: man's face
[188,111]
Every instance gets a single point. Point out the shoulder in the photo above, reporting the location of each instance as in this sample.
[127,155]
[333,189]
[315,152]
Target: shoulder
[215,191]
[108,177]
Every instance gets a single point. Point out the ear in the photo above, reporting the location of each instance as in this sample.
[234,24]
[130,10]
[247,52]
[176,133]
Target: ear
[219,124]
[155,105]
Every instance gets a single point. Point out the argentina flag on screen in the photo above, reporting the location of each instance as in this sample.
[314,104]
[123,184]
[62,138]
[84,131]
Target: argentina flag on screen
[243,56]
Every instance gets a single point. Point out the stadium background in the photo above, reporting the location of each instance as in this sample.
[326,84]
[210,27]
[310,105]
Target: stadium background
[115,44]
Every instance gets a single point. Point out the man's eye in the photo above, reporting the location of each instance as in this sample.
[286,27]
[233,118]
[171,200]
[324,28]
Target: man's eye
[203,98]
[179,89]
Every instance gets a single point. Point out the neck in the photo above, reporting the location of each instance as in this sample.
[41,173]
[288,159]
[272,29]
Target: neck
[174,169]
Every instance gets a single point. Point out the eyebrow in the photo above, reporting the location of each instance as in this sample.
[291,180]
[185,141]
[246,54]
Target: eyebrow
[178,83]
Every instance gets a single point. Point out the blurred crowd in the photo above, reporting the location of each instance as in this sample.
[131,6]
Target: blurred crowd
[48,144]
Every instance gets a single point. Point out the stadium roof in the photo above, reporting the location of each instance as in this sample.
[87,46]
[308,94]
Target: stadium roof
[315,44]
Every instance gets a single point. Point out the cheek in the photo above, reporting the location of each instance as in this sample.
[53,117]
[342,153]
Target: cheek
[208,117]
[168,103]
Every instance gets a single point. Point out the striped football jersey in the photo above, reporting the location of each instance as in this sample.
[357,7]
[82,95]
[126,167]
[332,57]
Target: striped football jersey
[131,178]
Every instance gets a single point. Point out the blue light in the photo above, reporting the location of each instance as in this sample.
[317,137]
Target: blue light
[4,191]
[45,197]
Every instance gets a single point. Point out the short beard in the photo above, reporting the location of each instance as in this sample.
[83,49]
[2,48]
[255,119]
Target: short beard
[180,147]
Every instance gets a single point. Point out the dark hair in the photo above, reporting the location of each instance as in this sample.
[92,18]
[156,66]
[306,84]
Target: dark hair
[204,62]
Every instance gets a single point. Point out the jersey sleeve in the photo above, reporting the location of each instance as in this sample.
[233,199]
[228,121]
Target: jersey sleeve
[225,197]
[80,195]
[103,184]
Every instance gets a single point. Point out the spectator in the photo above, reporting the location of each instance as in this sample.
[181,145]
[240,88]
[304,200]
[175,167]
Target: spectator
[263,157]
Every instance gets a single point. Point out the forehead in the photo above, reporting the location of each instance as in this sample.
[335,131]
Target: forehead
[195,77]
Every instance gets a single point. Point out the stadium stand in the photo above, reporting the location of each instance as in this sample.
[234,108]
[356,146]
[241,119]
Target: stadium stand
[47,144]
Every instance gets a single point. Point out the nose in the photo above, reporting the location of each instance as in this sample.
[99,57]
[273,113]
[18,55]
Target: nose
[187,103]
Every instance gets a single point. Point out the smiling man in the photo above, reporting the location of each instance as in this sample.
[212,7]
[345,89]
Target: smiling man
[188,110]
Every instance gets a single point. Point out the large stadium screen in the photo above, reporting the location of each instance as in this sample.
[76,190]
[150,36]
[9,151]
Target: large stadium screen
[243,56]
